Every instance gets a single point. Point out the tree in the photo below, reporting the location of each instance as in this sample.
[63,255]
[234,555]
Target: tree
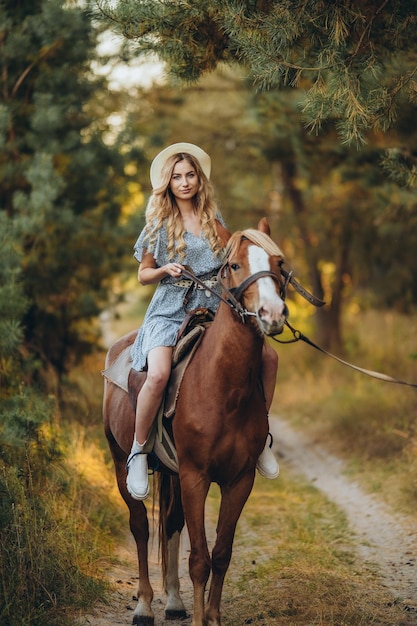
[59,181]
[331,207]
[61,188]
[355,61]
[347,72]
[343,212]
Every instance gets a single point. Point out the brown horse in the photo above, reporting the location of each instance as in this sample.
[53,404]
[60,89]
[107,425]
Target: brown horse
[220,427]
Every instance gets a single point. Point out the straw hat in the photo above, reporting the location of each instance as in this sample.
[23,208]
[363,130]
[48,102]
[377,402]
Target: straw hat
[176,148]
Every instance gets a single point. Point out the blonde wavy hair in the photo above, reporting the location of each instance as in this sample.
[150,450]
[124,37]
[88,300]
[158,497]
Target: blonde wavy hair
[162,206]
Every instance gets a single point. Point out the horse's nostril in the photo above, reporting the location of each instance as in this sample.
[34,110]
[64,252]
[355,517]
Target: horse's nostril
[262,312]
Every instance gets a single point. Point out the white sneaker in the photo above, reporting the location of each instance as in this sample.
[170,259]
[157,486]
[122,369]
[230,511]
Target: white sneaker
[137,472]
[267,464]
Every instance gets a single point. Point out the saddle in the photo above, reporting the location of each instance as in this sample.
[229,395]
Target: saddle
[131,381]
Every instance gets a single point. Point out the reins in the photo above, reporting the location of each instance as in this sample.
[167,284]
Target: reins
[289,279]
[232,301]
[298,336]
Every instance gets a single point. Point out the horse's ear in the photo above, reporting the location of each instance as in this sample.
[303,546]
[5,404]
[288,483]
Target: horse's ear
[264,226]
[223,233]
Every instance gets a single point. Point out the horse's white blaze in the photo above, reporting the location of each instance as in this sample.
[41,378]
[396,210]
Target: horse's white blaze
[268,297]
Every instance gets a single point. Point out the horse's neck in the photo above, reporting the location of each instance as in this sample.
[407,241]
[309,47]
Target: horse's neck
[229,329]
[230,357]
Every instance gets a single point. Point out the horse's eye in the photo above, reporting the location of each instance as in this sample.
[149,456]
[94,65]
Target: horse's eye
[280,263]
[234,267]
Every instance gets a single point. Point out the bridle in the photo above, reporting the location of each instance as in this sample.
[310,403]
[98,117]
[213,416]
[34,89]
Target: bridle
[233,295]
[230,293]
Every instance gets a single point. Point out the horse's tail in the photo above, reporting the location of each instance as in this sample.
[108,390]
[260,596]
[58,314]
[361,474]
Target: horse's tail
[171,515]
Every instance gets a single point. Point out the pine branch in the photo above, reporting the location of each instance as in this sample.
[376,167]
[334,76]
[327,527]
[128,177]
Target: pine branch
[43,54]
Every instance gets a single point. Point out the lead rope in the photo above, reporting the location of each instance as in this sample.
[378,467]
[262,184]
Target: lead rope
[298,336]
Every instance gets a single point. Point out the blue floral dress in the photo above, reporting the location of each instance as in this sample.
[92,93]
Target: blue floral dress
[166,311]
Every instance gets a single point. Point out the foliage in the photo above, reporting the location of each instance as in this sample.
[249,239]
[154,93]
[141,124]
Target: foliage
[345,71]
[60,191]
[59,182]
[354,60]
[13,305]
[331,207]
[343,210]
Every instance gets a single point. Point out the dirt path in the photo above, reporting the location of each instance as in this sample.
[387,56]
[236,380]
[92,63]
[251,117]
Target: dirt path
[386,543]
[124,581]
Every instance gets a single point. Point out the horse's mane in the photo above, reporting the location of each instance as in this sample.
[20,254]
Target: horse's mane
[255,236]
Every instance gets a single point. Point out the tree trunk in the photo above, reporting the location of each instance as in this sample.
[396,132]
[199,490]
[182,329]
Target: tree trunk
[328,318]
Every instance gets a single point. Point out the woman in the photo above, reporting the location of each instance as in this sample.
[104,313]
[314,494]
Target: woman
[183,227]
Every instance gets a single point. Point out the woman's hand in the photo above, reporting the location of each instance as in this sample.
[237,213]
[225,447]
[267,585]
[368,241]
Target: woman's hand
[173,269]
[149,273]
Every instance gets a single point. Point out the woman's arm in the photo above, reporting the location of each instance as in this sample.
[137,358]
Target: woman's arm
[149,272]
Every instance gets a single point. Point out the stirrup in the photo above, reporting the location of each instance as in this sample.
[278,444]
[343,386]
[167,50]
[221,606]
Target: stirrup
[131,457]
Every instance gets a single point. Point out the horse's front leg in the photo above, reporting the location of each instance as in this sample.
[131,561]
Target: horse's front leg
[233,500]
[194,493]
[139,526]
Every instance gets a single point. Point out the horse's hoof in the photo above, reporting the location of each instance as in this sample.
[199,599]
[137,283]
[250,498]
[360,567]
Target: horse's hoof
[171,614]
[143,620]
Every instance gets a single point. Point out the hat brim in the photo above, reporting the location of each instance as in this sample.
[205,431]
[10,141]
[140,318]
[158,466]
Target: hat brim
[176,148]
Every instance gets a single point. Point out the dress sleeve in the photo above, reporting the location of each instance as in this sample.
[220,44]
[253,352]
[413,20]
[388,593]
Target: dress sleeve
[219,217]
[157,248]
[141,246]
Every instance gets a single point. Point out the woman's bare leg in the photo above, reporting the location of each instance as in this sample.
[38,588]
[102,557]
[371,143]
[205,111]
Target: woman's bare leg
[150,396]
[147,405]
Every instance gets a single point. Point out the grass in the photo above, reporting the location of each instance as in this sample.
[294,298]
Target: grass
[54,544]
[294,564]
[58,515]
[370,423]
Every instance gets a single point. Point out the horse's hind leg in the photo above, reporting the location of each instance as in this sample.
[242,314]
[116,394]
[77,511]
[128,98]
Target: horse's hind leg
[174,608]
[171,525]
[232,502]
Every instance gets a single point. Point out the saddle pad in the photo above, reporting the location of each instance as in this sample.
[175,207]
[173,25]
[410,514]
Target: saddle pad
[118,372]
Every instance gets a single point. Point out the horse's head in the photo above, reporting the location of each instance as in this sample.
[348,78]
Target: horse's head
[253,272]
